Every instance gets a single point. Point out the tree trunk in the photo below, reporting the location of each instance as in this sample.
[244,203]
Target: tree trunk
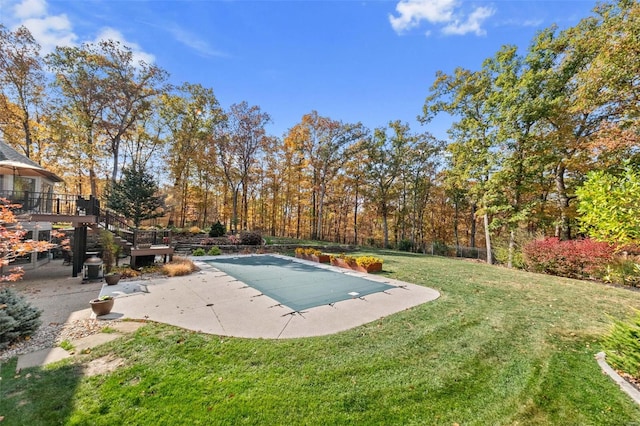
[274,209]
[564,230]
[313,223]
[93,181]
[298,218]
[319,233]
[205,202]
[355,217]
[183,208]
[116,152]
[245,209]
[27,134]
[472,236]
[385,225]
[512,245]
[455,224]
[487,237]
[234,212]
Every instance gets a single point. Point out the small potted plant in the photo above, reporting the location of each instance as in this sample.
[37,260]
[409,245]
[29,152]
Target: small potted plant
[110,253]
[102,305]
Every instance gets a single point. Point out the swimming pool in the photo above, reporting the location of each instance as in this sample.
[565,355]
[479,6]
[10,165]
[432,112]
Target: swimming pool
[295,284]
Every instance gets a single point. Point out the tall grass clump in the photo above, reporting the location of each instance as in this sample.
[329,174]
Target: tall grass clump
[179,266]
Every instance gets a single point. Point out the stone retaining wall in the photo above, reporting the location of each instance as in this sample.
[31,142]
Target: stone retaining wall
[187,249]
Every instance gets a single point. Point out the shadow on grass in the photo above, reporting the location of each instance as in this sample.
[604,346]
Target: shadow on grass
[37,396]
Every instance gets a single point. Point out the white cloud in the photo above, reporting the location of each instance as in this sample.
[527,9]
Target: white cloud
[30,9]
[51,30]
[412,12]
[520,23]
[108,33]
[472,24]
[194,42]
[446,13]
[48,30]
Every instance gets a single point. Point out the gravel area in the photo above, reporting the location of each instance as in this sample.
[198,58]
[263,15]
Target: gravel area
[51,335]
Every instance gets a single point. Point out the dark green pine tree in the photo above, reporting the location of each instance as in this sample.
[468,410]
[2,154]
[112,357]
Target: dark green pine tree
[17,317]
[135,196]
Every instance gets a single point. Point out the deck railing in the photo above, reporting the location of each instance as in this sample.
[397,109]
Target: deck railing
[51,203]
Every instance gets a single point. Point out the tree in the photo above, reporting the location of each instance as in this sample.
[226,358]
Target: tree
[517,110]
[131,87]
[23,88]
[144,142]
[192,118]
[419,178]
[611,81]
[472,157]
[241,141]
[608,206]
[12,243]
[107,92]
[17,317]
[385,158]
[326,145]
[135,196]
[81,74]
[297,189]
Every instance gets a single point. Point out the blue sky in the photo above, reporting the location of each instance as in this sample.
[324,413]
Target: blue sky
[367,61]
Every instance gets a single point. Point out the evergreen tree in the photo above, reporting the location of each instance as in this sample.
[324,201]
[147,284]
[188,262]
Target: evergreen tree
[134,196]
[217,230]
[17,317]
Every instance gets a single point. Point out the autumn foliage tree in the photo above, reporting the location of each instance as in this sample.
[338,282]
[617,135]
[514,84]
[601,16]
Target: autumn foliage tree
[12,243]
[386,156]
[17,317]
[239,144]
[22,85]
[326,146]
[191,116]
[529,126]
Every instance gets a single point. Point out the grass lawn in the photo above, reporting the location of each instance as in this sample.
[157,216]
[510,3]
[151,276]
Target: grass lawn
[498,347]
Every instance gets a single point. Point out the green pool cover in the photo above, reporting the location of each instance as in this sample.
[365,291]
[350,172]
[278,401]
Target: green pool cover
[296,285]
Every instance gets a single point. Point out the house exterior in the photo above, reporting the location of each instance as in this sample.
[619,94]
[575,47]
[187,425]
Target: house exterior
[24,182]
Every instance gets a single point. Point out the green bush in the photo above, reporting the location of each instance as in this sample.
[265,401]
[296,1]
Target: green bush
[17,317]
[622,271]
[217,230]
[214,251]
[501,253]
[250,238]
[439,248]
[405,245]
[198,252]
[622,346]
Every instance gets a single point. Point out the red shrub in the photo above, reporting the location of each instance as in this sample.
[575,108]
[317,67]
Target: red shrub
[573,258]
